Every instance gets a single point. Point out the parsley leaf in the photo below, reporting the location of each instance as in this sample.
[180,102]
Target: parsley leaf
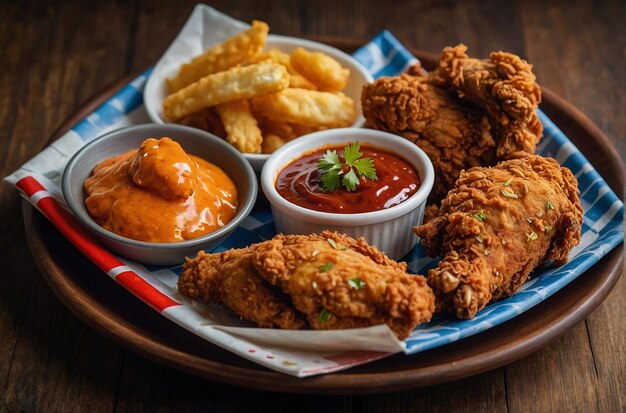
[480,215]
[330,180]
[327,267]
[329,161]
[324,315]
[332,242]
[347,173]
[365,166]
[350,180]
[356,283]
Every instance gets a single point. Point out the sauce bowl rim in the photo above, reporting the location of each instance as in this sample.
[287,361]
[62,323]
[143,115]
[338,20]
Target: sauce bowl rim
[316,140]
[243,209]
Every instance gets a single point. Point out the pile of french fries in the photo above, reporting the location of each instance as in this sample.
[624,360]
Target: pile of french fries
[257,99]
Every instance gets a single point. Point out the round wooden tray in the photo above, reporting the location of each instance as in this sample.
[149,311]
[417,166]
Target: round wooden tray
[110,309]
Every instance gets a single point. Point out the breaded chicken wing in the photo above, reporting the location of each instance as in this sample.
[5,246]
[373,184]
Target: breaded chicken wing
[229,278]
[339,282]
[467,113]
[455,135]
[505,87]
[495,226]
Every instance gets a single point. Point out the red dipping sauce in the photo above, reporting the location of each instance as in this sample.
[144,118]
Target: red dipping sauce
[299,183]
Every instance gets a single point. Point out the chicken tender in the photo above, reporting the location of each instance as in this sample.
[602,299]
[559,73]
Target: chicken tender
[229,278]
[495,226]
[339,282]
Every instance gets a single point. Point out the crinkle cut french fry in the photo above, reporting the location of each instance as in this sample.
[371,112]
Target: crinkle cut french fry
[232,52]
[280,57]
[272,142]
[307,107]
[321,69]
[241,127]
[233,84]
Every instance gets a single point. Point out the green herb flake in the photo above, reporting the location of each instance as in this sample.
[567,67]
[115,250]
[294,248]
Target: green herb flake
[327,267]
[348,173]
[480,216]
[507,182]
[332,242]
[344,249]
[479,239]
[356,283]
[509,194]
[324,315]
[549,205]
[531,236]
[548,228]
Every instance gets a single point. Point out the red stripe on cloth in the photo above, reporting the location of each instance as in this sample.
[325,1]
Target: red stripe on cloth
[74,231]
[30,186]
[147,293]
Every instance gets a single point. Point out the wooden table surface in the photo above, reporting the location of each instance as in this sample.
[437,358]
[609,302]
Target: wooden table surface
[55,55]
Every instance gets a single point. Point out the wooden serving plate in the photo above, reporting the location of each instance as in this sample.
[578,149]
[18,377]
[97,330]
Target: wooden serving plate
[108,308]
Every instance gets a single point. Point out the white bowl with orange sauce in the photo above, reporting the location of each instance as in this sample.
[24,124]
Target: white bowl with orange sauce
[194,142]
[389,229]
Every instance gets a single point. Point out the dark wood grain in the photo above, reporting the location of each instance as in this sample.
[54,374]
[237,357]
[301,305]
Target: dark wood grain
[56,55]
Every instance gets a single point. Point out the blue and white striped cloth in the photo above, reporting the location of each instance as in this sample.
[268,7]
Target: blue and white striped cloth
[383,56]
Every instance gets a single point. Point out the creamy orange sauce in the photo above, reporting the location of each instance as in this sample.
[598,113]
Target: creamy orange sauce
[159,193]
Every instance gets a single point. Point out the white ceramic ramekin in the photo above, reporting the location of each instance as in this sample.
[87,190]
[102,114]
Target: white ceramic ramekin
[155,90]
[390,229]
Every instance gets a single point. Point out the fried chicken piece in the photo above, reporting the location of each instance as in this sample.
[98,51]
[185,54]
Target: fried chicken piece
[340,282]
[495,226]
[467,113]
[454,135]
[505,87]
[229,278]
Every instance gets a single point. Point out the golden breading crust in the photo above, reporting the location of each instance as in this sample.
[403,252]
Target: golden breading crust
[228,278]
[495,226]
[339,282]
[331,280]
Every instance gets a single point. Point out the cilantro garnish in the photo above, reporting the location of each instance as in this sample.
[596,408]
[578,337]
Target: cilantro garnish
[532,236]
[549,205]
[332,242]
[356,283]
[507,182]
[324,315]
[480,215]
[509,194]
[548,227]
[345,173]
[327,267]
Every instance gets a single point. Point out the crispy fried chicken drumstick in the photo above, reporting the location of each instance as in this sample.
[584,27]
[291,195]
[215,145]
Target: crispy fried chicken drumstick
[331,280]
[468,112]
[495,226]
